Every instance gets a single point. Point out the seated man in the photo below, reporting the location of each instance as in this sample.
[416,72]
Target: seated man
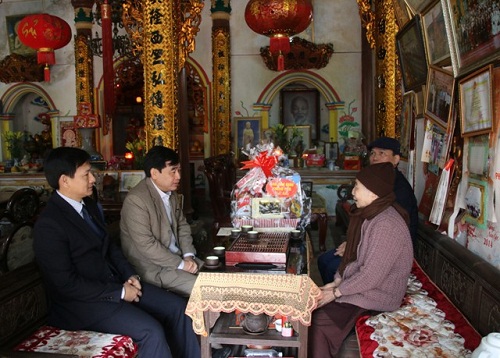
[382,150]
[91,284]
[155,235]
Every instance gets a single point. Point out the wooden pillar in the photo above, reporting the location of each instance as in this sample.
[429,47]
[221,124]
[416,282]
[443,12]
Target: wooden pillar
[160,59]
[221,52]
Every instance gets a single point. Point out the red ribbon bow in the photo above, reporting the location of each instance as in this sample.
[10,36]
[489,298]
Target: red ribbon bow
[265,162]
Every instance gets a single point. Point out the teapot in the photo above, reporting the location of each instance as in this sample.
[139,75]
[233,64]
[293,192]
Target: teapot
[489,347]
[254,323]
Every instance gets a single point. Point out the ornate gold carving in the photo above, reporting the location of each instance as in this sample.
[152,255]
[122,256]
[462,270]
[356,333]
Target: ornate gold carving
[190,10]
[386,68]
[133,21]
[83,68]
[17,68]
[191,16]
[367,20]
[303,55]
[160,74]
[221,124]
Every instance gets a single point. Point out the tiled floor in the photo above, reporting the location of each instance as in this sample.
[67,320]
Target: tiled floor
[204,244]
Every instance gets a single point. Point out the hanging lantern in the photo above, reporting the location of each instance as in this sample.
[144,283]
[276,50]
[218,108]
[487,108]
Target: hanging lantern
[279,19]
[45,33]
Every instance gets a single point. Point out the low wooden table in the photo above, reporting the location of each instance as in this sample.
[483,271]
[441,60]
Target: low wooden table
[217,294]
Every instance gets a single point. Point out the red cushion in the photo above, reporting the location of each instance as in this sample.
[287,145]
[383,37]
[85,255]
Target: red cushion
[82,343]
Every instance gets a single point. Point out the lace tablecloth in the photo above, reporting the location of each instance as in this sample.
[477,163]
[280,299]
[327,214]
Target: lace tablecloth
[295,296]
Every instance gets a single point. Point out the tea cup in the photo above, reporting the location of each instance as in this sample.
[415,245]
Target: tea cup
[219,251]
[295,234]
[211,261]
[235,232]
[246,228]
[253,235]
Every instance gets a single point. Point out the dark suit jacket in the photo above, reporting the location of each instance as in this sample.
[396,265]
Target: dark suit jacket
[83,273]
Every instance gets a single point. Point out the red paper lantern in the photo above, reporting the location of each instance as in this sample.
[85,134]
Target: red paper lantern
[45,33]
[279,19]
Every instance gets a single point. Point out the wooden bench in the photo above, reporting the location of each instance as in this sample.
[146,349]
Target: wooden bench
[469,282]
[24,307]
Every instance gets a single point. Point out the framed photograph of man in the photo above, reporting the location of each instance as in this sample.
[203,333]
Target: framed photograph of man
[300,107]
[248,131]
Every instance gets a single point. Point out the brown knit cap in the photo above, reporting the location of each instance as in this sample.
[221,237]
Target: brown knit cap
[378,178]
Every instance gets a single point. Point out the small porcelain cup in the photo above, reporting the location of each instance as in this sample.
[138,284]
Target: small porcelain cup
[295,234]
[489,347]
[246,228]
[235,232]
[219,251]
[212,261]
[278,325]
[253,235]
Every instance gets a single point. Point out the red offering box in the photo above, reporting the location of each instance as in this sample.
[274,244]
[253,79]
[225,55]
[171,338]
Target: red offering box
[352,163]
[317,160]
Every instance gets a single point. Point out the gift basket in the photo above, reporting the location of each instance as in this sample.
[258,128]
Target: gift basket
[269,197]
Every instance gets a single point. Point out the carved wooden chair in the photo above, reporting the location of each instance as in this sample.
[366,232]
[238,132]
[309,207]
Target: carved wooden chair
[220,171]
[23,205]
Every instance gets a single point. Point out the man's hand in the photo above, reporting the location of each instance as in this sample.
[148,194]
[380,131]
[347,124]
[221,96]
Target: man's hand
[135,281]
[341,249]
[132,293]
[190,265]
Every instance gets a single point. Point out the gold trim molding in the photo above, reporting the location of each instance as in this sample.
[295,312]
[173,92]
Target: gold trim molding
[17,68]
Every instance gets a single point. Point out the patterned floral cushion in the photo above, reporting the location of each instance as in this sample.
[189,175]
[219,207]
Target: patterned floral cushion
[85,344]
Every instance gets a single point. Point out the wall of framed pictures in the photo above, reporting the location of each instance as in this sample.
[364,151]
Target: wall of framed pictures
[447,52]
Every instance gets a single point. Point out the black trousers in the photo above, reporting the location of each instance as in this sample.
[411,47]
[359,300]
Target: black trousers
[157,323]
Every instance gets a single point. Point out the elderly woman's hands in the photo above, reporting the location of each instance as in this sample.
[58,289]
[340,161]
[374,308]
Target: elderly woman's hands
[328,292]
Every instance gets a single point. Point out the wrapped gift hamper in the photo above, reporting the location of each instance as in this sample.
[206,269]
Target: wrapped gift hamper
[269,196]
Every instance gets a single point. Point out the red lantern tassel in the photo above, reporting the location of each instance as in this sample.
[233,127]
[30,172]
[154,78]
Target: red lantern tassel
[107,59]
[46,73]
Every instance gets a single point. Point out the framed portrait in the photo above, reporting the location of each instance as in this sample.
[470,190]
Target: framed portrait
[476,198]
[268,136]
[416,6]
[300,107]
[439,95]
[401,12]
[248,131]
[129,179]
[473,34]
[478,156]
[436,40]
[305,133]
[476,110]
[15,45]
[406,125]
[410,46]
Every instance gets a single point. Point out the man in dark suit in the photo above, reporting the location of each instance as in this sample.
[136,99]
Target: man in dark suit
[90,283]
